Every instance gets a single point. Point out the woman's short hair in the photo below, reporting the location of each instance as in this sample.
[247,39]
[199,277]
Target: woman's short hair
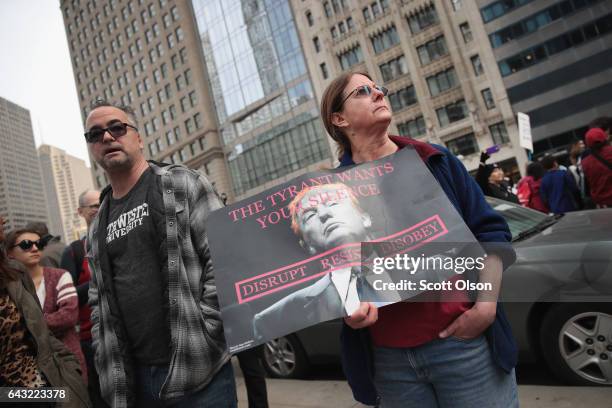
[331,102]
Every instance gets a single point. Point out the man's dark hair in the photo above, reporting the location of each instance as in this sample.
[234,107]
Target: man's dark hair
[548,162]
[535,170]
[603,122]
[129,111]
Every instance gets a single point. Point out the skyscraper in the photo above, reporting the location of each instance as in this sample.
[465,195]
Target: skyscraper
[263,93]
[22,199]
[554,57]
[433,57]
[65,178]
[146,54]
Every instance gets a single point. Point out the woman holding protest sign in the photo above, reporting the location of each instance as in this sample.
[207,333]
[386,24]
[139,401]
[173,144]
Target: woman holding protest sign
[432,354]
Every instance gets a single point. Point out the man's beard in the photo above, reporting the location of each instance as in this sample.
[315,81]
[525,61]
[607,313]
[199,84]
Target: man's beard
[115,165]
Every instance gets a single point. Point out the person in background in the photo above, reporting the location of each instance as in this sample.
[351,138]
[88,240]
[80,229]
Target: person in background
[575,168]
[490,178]
[597,167]
[54,247]
[529,187]
[558,188]
[604,123]
[54,289]
[30,356]
[75,262]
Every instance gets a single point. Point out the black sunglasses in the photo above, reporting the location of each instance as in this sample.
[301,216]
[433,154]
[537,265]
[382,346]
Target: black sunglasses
[116,130]
[26,244]
[365,90]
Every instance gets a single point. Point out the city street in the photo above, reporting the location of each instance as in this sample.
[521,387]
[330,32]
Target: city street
[326,388]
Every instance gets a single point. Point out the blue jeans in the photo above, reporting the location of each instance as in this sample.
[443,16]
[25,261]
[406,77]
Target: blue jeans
[220,392]
[443,373]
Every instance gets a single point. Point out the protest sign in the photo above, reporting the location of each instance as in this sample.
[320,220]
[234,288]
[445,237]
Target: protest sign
[291,257]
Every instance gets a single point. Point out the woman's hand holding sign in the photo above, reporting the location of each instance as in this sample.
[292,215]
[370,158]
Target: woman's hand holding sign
[365,316]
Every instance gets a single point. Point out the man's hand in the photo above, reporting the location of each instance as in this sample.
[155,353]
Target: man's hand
[365,316]
[473,322]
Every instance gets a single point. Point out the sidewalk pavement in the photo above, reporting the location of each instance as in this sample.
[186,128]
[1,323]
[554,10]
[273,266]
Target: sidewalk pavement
[336,394]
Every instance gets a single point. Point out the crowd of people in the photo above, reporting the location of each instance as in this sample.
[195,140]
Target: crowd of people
[553,188]
[146,254]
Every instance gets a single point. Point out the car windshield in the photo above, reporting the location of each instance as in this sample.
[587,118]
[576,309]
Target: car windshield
[519,218]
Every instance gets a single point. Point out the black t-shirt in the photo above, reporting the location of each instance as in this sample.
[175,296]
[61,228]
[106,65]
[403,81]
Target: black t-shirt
[136,245]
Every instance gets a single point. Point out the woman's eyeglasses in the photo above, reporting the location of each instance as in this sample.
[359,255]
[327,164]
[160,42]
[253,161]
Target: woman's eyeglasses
[116,130]
[27,245]
[365,90]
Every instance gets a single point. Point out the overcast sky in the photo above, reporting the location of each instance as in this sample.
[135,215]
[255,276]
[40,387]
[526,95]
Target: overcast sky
[36,73]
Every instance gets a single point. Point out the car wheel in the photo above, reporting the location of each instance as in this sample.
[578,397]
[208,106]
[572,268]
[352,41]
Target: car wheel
[576,341]
[285,358]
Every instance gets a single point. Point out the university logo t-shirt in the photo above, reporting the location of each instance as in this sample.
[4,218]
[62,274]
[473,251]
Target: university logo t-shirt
[136,244]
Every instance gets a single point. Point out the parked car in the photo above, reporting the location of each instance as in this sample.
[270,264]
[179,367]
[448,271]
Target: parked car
[558,298]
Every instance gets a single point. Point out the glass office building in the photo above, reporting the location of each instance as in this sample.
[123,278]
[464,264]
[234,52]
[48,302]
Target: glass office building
[263,95]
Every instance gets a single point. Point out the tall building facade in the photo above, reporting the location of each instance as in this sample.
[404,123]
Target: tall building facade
[263,92]
[22,199]
[432,55]
[65,178]
[147,54]
[554,57]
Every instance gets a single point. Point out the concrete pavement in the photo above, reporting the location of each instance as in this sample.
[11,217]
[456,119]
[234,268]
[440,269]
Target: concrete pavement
[336,394]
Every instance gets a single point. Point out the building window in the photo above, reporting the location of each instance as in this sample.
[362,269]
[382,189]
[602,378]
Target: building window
[328,9]
[317,44]
[403,98]
[442,81]
[349,24]
[189,126]
[385,40]
[487,97]
[432,50]
[499,133]
[457,4]
[179,34]
[499,8]
[412,128]
[366,15]
[197,118]
[394,68]
[452,113]
[309,18]
[541,52]
[464,145]
[466,32]
[423,19]
[193,99]
[175,13]
[477,65]
[536,21]
[334,32]
[324,72]
[184,105]
[350,57]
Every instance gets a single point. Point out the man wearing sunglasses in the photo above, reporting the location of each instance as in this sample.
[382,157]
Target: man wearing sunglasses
[157,331]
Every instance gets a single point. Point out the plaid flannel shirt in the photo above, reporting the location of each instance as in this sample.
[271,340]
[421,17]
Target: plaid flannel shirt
[198,344]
